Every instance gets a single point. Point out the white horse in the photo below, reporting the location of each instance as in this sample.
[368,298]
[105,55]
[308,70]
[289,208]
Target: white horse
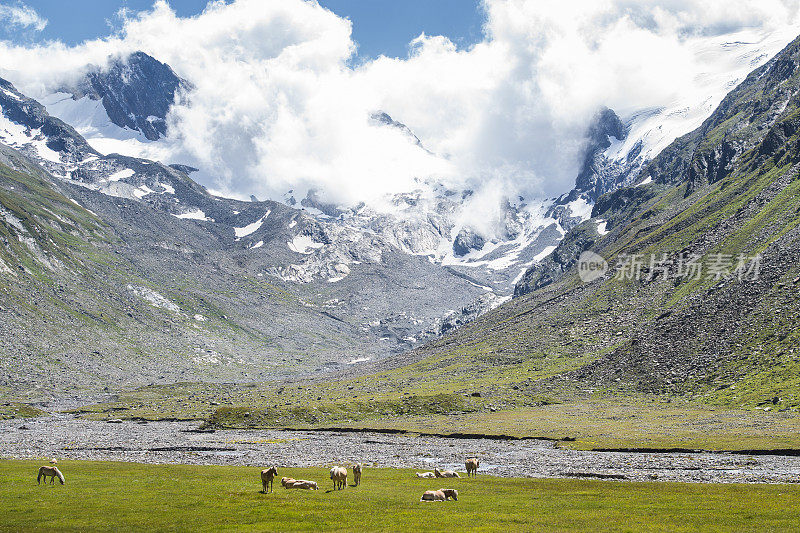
[339,477]
[49,472]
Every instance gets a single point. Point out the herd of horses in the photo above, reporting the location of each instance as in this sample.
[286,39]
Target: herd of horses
[338,476]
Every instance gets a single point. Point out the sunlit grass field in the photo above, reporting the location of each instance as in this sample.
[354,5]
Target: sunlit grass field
[105,496]
[591,422]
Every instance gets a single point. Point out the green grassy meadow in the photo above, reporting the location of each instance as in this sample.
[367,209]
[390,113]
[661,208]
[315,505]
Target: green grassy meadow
[105,496]
[597,420]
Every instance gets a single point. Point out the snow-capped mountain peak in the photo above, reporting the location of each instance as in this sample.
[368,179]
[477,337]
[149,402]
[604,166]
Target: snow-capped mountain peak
[121,108]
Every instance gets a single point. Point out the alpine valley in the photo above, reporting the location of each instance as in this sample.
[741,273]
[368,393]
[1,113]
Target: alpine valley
[120,272]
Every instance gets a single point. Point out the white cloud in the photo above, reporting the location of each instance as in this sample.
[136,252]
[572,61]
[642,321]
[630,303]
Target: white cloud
[21,16]
[277,105]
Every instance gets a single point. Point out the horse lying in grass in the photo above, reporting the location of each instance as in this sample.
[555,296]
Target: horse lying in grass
[445,473]
[291,483]
[441,495]
[426,475]
[303,484]
[49,472]
[267,475]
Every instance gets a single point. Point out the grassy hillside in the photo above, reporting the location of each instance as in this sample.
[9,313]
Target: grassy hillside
[208,498]
[120,299]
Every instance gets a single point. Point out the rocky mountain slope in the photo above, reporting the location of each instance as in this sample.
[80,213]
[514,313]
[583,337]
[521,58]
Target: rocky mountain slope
[174,283]
[122,109]
[699,297]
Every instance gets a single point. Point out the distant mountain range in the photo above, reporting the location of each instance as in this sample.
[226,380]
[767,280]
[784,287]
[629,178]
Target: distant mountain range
[158,280]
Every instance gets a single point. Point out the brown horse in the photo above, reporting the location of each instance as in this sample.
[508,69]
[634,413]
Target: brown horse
[267,475]
[49,472]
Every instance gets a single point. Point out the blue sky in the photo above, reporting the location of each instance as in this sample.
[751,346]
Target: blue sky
[379,26]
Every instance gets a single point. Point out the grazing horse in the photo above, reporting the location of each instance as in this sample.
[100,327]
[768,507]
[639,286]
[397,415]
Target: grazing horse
[49,472]
[267,475]
[339,477]
[357,474]
[472,467]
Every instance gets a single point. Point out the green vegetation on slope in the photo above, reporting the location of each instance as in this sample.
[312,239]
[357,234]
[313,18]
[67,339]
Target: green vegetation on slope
[11,410]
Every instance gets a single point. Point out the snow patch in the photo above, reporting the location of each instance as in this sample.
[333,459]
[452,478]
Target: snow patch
[10,94]
[581,208]
[303,244]
[12,133]
[342,270]
[18,136]
[544,253]
[259,244]
[154,298]
[121,175]
[44,151]
[601,227]
[195,214]
[143,191]
[250,228]
[89,118]
[645,182]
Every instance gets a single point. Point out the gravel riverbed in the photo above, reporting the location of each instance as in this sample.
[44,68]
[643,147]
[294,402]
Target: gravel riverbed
[66,437]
